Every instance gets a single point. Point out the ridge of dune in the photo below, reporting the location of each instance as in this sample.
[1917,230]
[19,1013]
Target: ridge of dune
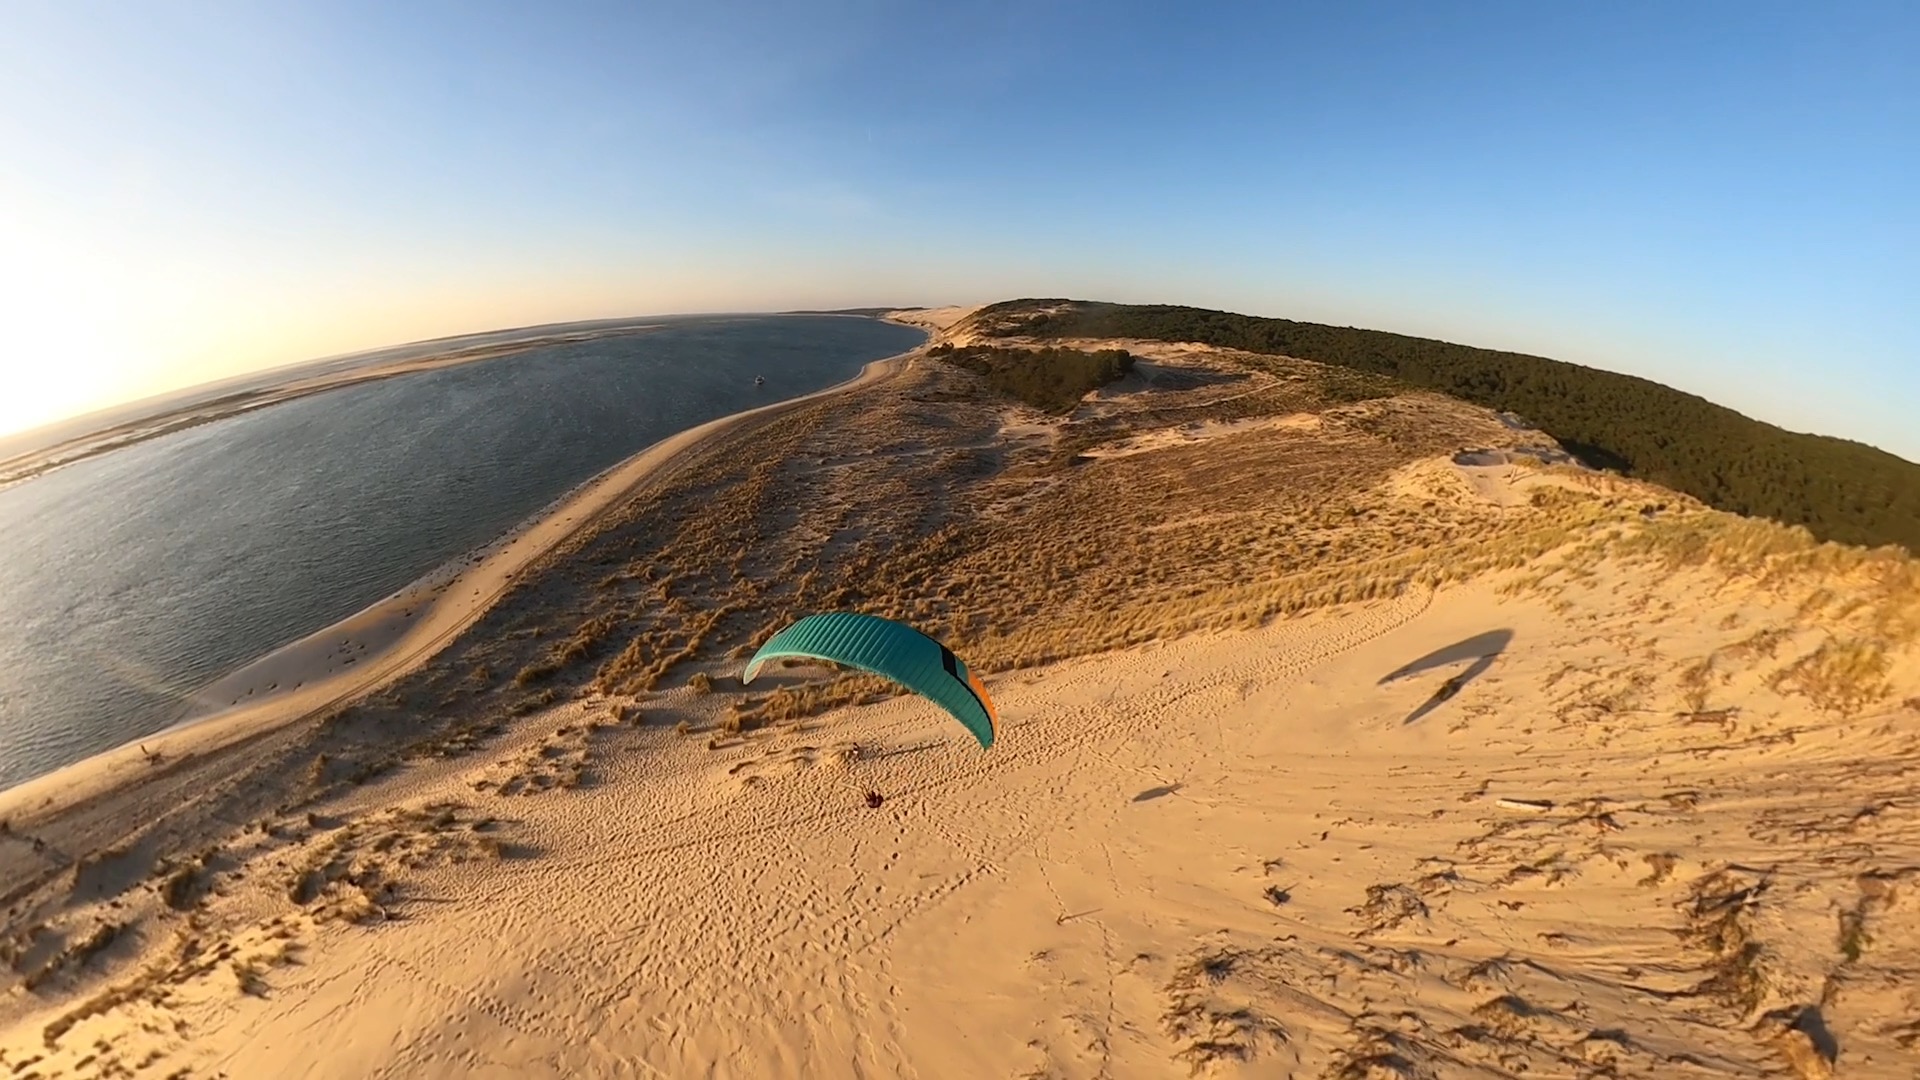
[1399,748]
[939,321]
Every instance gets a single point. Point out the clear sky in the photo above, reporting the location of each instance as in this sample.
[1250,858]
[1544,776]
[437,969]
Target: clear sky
[1719,196]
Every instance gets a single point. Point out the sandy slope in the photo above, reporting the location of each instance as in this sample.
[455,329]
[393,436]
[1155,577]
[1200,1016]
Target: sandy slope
[1232,852]
[938,320]
[1512,827]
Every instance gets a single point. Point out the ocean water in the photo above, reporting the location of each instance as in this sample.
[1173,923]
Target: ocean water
[129,580]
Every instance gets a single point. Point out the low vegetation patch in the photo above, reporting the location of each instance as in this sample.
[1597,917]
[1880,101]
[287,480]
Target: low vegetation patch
[1051,380]
[1840,677]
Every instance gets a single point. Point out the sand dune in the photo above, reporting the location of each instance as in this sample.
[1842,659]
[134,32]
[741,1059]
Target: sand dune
[939,320]
[1621,803]
[1230,852]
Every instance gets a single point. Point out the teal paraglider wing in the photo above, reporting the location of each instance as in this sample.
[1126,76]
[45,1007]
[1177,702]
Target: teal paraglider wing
[893,650]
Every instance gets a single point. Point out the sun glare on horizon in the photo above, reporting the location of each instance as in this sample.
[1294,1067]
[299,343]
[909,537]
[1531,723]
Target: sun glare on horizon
[97,322]
[68,351]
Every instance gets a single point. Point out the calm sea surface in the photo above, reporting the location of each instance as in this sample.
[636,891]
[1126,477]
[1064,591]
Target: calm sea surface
[129,580]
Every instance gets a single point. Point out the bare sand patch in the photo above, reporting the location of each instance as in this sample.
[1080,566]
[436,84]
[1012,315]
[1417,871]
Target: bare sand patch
[938,320]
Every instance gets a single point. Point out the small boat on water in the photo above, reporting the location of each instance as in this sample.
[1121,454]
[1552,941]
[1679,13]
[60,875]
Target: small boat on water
[759,380]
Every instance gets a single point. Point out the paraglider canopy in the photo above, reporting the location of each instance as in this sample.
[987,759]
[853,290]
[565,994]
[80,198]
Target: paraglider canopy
[892,650]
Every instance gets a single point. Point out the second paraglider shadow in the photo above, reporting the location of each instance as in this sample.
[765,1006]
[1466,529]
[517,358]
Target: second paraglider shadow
[1482,649]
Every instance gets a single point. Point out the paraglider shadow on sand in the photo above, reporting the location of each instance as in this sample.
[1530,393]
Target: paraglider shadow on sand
[1482,649]
[1160,792]
[867,754]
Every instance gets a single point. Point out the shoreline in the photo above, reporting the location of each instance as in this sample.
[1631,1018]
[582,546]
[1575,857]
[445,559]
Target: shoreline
[392,636]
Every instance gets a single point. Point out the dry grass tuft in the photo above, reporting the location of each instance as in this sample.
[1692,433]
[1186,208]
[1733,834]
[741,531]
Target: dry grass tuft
[1719,913]
[1840,677]
[536,672]
[182,886]
[1213,1010]
[75,955]
[189,956]
[354,872]
[1875,591]
[1696,682]
[1866,602]
[811,699]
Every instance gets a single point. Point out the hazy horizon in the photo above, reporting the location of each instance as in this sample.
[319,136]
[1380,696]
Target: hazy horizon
[1717,198]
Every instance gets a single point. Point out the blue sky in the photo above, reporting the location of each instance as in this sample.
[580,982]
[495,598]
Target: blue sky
[1717,196]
